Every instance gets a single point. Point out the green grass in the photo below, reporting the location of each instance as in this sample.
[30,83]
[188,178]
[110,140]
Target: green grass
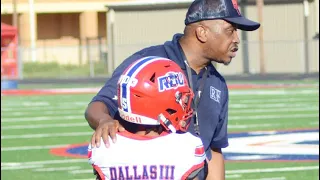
[298,175]
[248,112]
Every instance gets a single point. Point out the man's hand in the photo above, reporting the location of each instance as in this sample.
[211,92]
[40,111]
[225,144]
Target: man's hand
[105,129]
[97,115]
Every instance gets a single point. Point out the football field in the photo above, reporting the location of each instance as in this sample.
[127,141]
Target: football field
[274,135]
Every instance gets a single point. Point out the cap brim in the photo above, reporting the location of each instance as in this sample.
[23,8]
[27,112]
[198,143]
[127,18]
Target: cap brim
[244,23]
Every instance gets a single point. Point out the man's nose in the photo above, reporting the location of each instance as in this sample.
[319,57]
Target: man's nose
[236,38]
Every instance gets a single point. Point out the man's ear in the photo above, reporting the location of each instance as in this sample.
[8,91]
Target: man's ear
[201,33]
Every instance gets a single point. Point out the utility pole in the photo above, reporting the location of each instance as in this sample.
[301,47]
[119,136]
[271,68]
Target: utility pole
[15,24]
[244,35]
[305,34]
[32,30]
[14,14]
[260,4]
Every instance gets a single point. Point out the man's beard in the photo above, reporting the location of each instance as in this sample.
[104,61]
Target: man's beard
[227,63]
[222,62]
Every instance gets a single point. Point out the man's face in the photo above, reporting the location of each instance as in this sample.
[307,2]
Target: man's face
[223,40]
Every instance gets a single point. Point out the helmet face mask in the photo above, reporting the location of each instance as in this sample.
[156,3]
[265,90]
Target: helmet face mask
[154,91]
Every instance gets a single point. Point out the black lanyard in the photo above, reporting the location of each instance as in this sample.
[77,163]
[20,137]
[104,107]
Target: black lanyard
[197,95]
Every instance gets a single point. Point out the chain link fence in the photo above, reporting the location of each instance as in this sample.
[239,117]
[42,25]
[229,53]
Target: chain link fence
[90,59]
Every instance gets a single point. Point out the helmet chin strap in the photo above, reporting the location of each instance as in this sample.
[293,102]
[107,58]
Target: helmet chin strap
[166,123]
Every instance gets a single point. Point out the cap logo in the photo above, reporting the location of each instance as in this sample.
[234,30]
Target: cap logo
[235,6]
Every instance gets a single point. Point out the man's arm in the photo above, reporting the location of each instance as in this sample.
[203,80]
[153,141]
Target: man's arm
[95,112]
[216,165]
[103,107]
[216,168]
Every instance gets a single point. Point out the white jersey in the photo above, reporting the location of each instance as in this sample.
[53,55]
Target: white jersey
[172,156]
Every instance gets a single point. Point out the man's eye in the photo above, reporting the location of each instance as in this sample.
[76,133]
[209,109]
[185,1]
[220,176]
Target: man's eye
[230,31]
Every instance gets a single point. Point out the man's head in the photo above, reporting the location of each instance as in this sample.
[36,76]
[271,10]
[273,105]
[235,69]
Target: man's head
[154,91]
[214,24]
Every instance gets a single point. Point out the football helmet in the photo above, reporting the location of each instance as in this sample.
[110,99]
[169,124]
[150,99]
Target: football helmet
[153,91]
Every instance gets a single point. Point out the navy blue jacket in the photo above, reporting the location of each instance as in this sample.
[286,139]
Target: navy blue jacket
[213,105]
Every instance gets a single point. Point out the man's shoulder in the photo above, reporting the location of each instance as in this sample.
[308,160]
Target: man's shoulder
[157,50]
[167,50]
[215,73]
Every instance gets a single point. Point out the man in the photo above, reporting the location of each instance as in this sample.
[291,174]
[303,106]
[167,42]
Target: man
[154,97]
[210,35]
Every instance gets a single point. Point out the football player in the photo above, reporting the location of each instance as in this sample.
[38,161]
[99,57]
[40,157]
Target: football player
[154,95]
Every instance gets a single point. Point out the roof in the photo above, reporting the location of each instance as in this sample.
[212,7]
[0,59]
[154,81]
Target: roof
[148,4]
[175,4]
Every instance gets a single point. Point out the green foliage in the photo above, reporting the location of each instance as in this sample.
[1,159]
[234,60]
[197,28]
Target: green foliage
[55,70]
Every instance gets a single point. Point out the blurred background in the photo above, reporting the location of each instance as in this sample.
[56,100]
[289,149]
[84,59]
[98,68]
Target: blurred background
[82,38]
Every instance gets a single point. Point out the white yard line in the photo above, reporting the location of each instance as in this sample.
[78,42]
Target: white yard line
[274,100]
[314,123]
[40,126]
[234,108]
[22,109]
[262,105]
[244,126]
[63,118]
[31,136]
[271,178]
[263,110]
[21,167]
[21,113]
[273,92]
[267,170]
[20,104]
[49,104]
[41,118]
[273,117]
[77,108]
[81,171]
[69,168]
[233,176]
[13,164]
[26,148]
